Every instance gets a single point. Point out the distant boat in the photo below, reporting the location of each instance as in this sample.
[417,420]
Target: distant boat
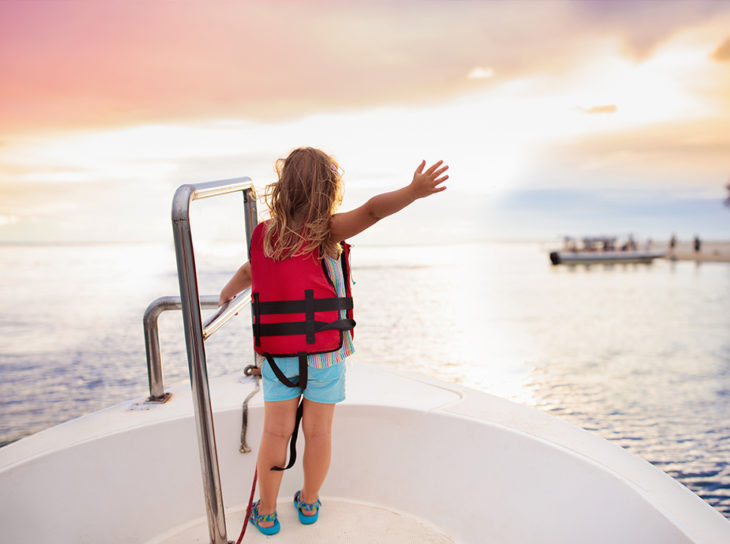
[603,249]
[606,257]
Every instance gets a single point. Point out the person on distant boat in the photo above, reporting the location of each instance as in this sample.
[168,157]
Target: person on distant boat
[298,271]
[631,243]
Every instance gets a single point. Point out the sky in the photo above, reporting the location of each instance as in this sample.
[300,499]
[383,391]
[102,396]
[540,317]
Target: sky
[555,117]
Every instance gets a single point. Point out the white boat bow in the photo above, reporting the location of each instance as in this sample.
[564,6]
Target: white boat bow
[414,460]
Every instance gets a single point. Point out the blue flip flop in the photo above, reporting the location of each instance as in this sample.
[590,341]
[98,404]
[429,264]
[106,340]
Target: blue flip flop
[255,518]
[306,506]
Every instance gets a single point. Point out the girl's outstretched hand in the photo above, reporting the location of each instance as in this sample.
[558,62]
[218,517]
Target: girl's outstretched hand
[427,183]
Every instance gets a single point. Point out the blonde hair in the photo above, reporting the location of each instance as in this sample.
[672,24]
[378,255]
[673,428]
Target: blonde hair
[301,202]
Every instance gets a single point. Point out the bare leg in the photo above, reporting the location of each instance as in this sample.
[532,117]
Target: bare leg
[317,427]
[279,418]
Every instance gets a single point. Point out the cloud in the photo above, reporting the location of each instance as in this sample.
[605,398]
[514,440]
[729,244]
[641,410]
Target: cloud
[671,156]
[480,72]
[102,63]
[643,26]
[722,53]
[610,108]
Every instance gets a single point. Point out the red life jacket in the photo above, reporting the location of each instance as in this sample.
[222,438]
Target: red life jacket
[295,307]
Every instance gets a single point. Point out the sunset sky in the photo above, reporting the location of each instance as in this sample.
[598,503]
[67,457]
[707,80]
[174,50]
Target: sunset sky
[556,117]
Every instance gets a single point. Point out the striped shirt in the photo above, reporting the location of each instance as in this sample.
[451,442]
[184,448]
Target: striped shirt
[324,360]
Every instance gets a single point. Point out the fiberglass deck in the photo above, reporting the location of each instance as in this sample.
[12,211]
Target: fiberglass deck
[339,521]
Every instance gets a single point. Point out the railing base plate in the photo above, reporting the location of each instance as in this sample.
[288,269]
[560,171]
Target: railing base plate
[159,400]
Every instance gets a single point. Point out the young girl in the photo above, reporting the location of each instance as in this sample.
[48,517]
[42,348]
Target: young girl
[298,270]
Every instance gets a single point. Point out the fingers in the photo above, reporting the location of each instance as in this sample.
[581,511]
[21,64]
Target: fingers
[430,180]
[440,171]
[433,168]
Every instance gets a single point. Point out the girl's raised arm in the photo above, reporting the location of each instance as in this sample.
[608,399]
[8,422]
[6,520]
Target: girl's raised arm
[348,224]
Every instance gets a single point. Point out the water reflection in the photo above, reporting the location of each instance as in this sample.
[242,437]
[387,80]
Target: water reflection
[637,353]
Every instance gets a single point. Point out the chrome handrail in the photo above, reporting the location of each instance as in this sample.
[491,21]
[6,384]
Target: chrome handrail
[152,341]
[152,336]
[194,337]
[227,311]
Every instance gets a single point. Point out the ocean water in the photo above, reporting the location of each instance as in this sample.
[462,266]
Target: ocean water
[638,354]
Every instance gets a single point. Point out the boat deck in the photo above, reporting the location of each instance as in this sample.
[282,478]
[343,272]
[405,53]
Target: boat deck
[339,521]
[404,446]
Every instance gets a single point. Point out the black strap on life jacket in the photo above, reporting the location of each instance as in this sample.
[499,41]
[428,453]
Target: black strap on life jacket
[307,306]
[300,382]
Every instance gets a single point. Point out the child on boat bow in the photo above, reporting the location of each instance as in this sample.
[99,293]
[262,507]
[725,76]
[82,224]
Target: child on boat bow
[298,269]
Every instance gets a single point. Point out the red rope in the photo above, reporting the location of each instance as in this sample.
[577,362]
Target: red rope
[250,504]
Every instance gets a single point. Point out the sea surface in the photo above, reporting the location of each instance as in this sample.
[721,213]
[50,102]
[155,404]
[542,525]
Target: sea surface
[639,354]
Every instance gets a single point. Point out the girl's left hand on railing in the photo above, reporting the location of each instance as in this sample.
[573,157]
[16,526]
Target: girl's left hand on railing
[225,298]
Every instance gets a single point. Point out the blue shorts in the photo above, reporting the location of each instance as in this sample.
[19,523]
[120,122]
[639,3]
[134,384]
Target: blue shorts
[326,385]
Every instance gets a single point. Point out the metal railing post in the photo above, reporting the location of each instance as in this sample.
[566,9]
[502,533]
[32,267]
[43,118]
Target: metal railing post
[251,216]
[152,341]
[152,346]
[193,326]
